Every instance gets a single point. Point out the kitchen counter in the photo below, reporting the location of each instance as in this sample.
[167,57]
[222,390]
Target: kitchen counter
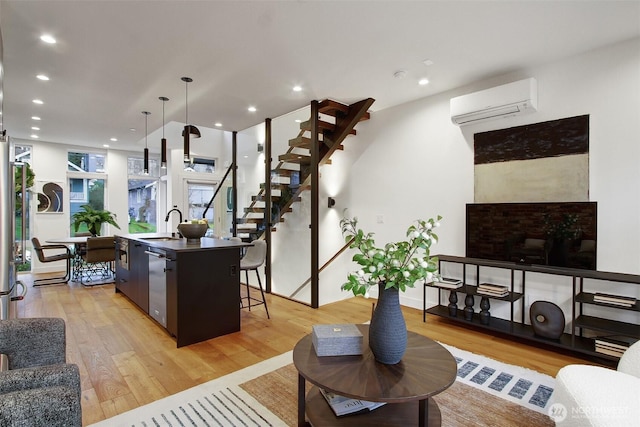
[179,244]
[194,293]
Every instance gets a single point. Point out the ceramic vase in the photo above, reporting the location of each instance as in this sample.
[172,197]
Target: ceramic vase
[388,330]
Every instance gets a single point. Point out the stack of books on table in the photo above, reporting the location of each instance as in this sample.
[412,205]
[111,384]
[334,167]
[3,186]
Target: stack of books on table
[493,290]
[342,406]
[448,283]
[613,345]
[621,301]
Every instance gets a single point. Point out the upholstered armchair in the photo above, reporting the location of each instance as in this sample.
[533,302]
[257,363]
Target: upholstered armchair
[39,388]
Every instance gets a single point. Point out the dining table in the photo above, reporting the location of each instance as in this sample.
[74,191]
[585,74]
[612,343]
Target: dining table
[79,245]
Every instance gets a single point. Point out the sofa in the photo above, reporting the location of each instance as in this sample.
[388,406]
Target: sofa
[594,396]
[39,388]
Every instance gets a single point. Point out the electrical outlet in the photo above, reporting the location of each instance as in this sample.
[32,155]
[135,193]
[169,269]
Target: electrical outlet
[380,219]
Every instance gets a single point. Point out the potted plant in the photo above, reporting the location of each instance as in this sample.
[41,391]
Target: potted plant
[93,218]
[393,268]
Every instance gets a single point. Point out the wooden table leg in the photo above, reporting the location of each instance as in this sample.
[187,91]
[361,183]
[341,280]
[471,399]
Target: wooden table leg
[423,412]
[301,401]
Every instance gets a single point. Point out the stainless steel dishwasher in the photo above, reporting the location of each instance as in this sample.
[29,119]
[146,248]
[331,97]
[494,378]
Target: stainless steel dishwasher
[157,285]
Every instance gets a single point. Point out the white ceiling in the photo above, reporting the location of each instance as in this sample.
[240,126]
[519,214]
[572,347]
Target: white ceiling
[113,59]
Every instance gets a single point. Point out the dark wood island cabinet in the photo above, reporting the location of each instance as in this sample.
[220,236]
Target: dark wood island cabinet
[200,283]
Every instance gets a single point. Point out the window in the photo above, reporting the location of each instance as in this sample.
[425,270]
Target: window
[22,155]
[85,191]
[85,162]
[143,195]
[202,165]
[135,166]
[198,196]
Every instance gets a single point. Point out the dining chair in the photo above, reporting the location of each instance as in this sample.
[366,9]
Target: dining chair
[58,256]
[98,259]
[254,257]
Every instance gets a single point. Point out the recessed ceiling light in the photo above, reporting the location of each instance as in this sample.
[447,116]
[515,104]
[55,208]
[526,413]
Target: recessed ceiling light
[47,39]
[246,157]
[297,88]
[38,101]
[423,82]
[132,129]
[42,77]
[35,128]
[428,62]
[252,109]
[105,145]
[35,118]
[34,136]
[113,139]
[298,121]
[218,124]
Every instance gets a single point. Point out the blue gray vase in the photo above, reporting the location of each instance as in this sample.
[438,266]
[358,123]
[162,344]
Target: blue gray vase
[388,330]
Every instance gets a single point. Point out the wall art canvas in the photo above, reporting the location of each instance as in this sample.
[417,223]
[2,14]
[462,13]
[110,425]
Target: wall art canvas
[541,162]
[50,197]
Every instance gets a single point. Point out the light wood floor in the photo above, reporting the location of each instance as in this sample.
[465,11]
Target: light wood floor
[127,360]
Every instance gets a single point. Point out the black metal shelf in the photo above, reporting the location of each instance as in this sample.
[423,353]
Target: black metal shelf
[607,325]
[574,341]
[579,344]
[587,298]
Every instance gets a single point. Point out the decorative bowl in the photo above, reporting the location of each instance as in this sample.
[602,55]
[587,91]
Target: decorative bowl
[192,231]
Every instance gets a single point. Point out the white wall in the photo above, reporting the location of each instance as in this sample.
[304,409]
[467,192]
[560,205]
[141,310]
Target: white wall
[416,164]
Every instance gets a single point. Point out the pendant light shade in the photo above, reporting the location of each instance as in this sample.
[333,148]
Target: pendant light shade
[146,148]
[163,141]
[188,129]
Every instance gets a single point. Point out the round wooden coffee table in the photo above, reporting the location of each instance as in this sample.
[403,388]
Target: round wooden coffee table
[426,369]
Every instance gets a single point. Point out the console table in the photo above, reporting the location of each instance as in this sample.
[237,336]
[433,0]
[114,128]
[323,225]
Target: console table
[581,295]
[426,369]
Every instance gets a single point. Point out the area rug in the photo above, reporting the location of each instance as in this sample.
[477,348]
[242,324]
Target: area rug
[486,393]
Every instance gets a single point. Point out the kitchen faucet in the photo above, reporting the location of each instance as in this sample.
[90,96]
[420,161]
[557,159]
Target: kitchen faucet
[175,208]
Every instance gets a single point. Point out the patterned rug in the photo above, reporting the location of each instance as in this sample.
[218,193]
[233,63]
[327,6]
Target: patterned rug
[486,393]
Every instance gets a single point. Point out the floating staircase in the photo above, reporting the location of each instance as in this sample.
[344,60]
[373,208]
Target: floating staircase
[291,176]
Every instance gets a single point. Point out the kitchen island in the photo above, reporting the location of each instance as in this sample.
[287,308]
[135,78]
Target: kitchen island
[190,289]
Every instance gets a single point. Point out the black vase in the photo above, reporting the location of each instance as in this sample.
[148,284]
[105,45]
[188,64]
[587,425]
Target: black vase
[388,330]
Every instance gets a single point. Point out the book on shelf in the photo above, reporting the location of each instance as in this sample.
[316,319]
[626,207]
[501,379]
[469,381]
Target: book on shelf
[492,290]
[342,405]
[493,287]
[614,299]
[448,283]
[615,341]
[609,352]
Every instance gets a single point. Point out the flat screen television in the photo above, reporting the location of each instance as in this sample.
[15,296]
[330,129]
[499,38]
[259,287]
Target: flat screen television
[562,234]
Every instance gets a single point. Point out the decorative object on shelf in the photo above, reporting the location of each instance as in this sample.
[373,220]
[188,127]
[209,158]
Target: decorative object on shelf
[484,314]
[547,319]
[193,231]
[453,303]
[393,268]
[468,307]
[188,129]
[337,340]
[163,141]
[93,218]
[145,169]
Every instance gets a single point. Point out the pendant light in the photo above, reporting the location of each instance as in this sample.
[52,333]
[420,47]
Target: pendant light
[163,141]
[146,148]
[188,129]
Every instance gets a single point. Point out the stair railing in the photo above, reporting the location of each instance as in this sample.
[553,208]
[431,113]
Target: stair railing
[229,169]
[325,265]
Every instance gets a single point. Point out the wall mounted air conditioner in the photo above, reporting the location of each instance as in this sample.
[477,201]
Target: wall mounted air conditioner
[502,101]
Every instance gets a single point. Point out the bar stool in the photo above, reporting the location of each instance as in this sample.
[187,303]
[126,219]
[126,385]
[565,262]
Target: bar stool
[254,257]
